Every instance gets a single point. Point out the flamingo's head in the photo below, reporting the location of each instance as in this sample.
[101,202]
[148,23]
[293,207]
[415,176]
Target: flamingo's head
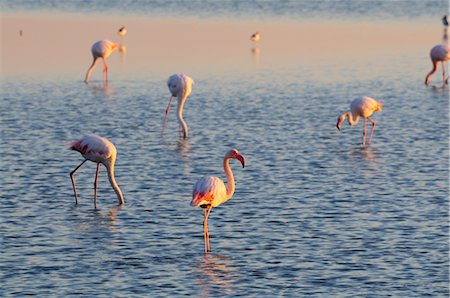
[379,107]
[339,121]
[234,154]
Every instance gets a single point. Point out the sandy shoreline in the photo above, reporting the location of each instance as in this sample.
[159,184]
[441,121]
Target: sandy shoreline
[53,43]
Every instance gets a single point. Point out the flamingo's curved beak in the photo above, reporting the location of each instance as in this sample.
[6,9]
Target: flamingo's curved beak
[241,159]
[338,124]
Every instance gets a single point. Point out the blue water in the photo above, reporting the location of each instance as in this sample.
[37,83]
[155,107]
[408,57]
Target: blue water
[254,9]
[314,213]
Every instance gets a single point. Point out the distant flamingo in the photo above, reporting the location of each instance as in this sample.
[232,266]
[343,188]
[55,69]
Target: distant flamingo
[255,37]
[122,31]
[361,107]
[210,191]
[180,85]
[439,53]
[101,49]
[99,150]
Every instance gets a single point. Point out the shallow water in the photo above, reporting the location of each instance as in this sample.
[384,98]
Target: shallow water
[314,213]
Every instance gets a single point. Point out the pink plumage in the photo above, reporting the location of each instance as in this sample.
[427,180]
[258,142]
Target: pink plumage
[101,151]
[439,53]
[361,107]
[211,191]
[180,86]
[101,49]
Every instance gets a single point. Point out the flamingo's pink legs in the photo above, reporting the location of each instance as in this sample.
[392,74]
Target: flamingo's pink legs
[105,70]
[371,131]
[73,180]
[445,80]
[96,185]
[205,228]
[167,112]
[364,133]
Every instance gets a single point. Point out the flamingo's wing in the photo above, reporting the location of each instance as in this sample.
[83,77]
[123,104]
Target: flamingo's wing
[207,190]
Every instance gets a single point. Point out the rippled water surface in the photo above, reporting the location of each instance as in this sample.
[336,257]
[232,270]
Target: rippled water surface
[314,213]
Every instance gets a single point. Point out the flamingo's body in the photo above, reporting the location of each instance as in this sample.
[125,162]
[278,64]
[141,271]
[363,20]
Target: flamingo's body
[101,151]
[255,37]
[101,49]
[122,31]
[180,85]
[439,53]
[210,191]
[361,107]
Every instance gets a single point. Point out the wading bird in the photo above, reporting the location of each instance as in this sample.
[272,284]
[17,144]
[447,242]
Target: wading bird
[361,107]
[439,53]
[210,191]
[122,31]
[180,85]
[98,150]
[101,49]
[255,37]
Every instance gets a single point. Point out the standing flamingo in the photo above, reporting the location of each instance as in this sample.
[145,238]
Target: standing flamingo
[99,150]
[180,85]
[361,107]
[255,37]
[439,53]
[101,49]
[210,191]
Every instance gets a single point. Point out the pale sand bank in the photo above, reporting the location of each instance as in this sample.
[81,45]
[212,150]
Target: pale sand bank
[53,43]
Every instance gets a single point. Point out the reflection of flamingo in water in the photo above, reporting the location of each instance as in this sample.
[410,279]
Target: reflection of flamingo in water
[180,85]
[101,49]
[439,53]
[210,191]
[361,107]
[99,150]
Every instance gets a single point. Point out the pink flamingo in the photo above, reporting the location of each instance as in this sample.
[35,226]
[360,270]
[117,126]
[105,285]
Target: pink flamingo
[210,191]
[439,53]
[361,107]
[101,49]
[180,85]
[99,150]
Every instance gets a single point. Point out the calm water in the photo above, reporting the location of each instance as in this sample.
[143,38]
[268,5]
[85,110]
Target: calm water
[314,213]
[343,9]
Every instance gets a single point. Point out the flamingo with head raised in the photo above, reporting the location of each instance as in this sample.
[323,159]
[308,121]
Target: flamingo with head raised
[361,107]
[439,53]
[210,192]
[180,85]
[101,49]
[101,151]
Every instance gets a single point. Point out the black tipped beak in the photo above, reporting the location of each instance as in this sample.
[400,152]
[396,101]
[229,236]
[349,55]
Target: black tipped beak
[337,126]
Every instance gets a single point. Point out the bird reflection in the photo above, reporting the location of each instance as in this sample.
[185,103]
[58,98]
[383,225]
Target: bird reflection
[366,152]
[216,275]
[255,53]
[183,146]
[103,89]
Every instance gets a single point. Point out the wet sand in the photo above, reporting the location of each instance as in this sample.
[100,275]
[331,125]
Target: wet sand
[61,43]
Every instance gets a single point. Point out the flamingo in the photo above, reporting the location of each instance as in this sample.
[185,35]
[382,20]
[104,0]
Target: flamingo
[210,191]
[180,85]
[122,31]
[101,49]
[361,107]
[439,53]
[255,37]
[100,150]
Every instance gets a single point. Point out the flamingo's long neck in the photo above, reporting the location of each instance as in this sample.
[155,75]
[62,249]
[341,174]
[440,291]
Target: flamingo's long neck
[352,121]
[230,177]
[112,180]
[181,101]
